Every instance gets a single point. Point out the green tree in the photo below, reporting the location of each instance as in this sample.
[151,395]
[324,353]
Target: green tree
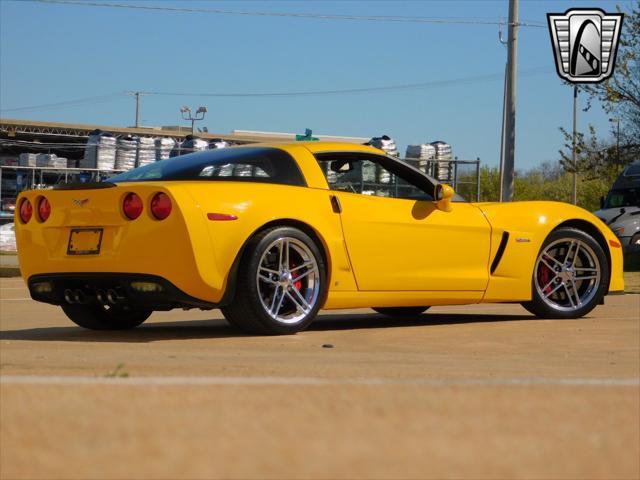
[620,94]
[601,158]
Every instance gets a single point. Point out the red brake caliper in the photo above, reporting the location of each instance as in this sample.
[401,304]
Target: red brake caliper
[298,284]
[544,275]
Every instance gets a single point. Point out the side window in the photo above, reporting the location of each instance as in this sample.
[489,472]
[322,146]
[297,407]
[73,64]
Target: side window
[366,176]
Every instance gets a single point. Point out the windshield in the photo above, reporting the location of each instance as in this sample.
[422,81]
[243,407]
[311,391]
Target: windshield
[628,197]
[248,164]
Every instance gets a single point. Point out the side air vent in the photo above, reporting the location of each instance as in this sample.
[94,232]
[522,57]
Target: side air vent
[500,252]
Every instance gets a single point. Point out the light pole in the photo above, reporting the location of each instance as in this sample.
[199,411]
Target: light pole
[186,115]
[574,153]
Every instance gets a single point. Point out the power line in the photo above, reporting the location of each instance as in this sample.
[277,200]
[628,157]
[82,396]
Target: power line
[317,16]
[68,103]
[346,91]
[381,89]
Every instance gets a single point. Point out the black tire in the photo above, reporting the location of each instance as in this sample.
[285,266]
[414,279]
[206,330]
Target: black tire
[96,317]
[247,310]
[401,311]
[541,307]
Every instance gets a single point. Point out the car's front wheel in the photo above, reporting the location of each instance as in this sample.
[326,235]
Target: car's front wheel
[97,317]
[570,276]
[281,283]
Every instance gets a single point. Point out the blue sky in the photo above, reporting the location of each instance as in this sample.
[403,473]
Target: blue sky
[54,53]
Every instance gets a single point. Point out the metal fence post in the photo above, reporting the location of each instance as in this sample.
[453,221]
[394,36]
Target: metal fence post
[455,175]
[478,179]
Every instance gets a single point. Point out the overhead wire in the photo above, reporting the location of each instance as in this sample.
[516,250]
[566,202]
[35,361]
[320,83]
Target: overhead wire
[299,15]
[347,91]
[307,93]
[363,90]
[67,103]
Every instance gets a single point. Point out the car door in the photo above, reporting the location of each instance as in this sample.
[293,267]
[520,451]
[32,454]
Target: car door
[396,237]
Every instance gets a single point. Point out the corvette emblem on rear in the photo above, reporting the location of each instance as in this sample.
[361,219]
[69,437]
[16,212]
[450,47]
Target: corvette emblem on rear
[80,202]
[585,42]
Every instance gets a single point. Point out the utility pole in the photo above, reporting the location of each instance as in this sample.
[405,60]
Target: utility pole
[137,95]
[137,109]
[507,173]
[574,153]
[504,119]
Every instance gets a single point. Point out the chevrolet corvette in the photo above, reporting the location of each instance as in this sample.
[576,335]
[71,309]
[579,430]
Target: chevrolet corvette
[270,234]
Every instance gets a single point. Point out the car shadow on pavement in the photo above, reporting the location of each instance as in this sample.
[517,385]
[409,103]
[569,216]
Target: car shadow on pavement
[220,329]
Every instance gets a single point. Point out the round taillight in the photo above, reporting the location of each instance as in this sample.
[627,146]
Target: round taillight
[26,210]
[132,206]
[44,209]
[161,205]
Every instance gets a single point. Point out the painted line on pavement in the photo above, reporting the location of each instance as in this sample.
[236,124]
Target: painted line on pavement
[297,381]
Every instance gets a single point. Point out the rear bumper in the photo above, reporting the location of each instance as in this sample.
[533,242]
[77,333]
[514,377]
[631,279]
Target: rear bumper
[138,291]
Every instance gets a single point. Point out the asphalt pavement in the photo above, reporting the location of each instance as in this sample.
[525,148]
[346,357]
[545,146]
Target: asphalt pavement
[482,391]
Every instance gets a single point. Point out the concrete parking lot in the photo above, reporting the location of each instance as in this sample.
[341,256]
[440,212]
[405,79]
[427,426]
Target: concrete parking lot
[460,392]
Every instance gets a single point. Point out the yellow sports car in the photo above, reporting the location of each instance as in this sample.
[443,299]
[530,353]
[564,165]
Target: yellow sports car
[272,233]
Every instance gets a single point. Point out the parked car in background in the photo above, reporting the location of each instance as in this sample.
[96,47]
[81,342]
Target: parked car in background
[620,210]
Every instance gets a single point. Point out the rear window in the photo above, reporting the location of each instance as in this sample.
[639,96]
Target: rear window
[241,164]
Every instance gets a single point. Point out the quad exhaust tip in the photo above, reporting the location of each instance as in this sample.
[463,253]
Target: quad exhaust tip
[68,296]
[75,296]
[101,296]
[78,297]
[113,297]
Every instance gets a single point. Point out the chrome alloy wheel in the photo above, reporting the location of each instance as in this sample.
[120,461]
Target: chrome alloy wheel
[567,274]
[288,280]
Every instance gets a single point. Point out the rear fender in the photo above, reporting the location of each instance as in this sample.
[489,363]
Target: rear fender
[255,207]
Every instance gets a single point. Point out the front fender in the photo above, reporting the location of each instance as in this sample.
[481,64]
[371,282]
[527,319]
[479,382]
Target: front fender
[528,225]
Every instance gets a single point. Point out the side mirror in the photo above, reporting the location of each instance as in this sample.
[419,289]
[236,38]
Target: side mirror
[443,196]
[601,203]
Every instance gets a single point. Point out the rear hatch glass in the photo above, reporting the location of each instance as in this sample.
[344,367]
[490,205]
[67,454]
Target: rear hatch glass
[249,164]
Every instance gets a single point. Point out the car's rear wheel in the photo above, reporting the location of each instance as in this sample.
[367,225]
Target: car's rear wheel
[400,311]
[281,283]
[570,276]
[97,317]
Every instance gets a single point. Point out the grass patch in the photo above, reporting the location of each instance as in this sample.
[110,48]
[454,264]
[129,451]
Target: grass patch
[118,372]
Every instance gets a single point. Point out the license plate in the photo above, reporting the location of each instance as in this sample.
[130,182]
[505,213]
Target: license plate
[84,241]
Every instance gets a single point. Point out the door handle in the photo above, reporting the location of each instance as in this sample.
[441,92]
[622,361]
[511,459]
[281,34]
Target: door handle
[335,204]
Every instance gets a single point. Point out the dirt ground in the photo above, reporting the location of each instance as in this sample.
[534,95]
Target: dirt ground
[460,392]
